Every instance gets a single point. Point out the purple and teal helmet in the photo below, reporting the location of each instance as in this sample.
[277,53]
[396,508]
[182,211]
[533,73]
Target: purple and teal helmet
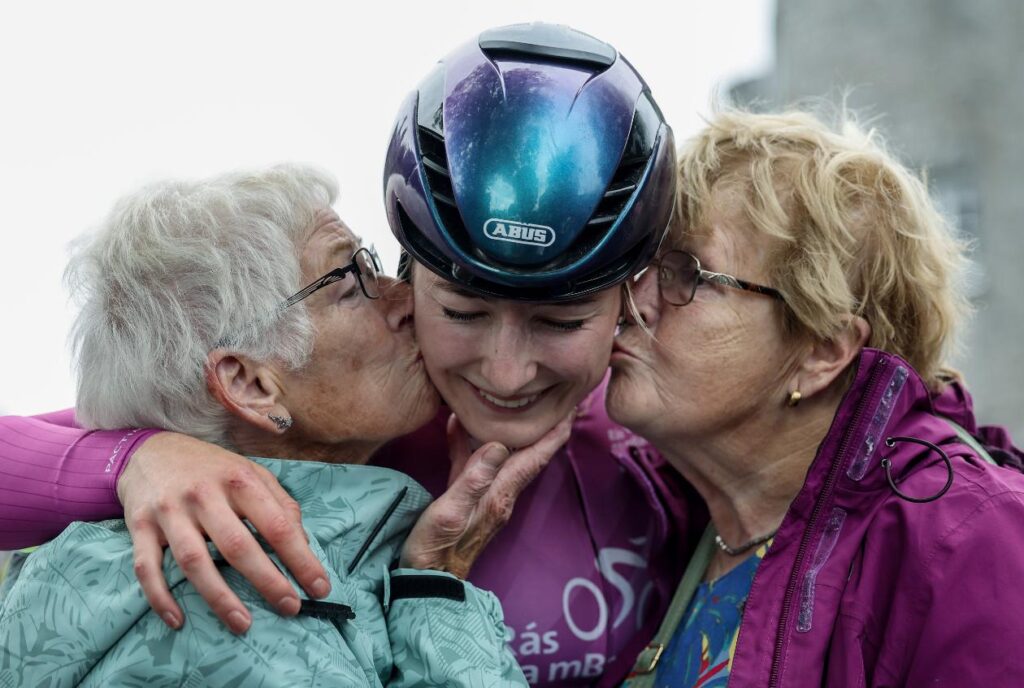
[532,163]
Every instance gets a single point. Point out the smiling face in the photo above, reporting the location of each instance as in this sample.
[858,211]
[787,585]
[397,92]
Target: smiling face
[365,383]
[512,370]
[715,364]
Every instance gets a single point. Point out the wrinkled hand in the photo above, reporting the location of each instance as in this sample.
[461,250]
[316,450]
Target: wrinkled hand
[179,491]
[482,491]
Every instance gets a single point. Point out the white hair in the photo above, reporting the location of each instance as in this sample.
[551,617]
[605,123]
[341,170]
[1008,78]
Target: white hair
[178,269]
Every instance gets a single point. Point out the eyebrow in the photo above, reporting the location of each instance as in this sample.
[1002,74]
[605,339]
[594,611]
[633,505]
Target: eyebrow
[343,244]
[466,293]
[459,291]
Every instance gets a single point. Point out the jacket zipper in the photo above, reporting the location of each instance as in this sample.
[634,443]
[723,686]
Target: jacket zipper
[819,505]
[376,529]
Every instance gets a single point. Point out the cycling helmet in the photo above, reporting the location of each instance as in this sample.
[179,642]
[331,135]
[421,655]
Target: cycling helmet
[532,163]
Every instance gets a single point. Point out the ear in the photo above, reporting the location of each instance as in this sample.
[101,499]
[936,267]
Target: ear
[826,360]
[251,391]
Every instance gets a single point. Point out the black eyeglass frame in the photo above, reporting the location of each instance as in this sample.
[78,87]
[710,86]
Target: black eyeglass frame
[712,277]
[338,274]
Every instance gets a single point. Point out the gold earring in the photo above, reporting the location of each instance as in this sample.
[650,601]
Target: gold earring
[794,398]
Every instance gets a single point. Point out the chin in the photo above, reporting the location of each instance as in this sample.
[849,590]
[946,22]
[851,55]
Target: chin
[512,435]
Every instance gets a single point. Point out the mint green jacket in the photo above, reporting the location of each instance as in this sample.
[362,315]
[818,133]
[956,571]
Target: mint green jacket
[74,615]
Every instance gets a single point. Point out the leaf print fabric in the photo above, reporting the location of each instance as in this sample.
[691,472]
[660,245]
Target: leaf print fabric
[75,615]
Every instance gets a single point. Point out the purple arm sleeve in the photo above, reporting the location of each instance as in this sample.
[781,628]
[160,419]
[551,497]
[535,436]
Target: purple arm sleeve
[53,472]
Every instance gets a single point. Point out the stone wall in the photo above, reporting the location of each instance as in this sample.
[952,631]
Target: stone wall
[944,81]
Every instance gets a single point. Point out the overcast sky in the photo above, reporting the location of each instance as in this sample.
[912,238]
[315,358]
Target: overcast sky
[98,97]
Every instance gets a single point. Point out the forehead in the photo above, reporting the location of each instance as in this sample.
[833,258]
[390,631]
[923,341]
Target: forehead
[727,239]
[328,240]
[425,280]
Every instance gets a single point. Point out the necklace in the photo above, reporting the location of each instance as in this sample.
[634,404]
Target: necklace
[734,551]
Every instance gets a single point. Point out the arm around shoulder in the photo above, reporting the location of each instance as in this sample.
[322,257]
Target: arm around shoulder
[54,472]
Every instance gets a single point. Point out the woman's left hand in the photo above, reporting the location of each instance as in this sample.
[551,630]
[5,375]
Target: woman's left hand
[453,531]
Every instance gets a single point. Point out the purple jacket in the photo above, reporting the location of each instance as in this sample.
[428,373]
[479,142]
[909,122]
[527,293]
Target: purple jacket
[864,588]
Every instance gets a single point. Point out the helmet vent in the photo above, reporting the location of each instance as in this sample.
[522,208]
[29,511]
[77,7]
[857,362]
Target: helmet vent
[638,149]
[435,164]
[623,185]
[547,42]
[439,184]
[421,248]
[620,189]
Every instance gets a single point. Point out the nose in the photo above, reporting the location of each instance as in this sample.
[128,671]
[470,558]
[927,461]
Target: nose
[396,302]
[509,365]
[646,306]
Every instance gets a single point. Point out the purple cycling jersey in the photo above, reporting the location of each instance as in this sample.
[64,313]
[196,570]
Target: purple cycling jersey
[587,564]
[53,472]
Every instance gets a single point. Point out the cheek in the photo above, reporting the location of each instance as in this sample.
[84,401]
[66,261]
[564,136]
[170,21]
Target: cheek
[446,345]
[581,359]
[723,358]
[698,335]
[355,344]
[339,362]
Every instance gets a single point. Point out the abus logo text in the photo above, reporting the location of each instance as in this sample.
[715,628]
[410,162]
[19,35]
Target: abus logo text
[519,232]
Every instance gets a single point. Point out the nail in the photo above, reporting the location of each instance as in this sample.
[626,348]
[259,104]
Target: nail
[238,622]
[497,453]
[321,588]
[171,619]
[289,605]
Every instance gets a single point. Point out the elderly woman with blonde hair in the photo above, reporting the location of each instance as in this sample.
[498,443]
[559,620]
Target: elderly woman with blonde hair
[787,355]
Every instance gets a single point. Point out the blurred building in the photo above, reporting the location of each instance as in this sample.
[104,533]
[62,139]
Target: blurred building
[944,81]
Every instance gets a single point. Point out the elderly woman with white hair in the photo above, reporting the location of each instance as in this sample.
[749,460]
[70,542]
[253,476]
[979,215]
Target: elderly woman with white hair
[195,318]
[788,359]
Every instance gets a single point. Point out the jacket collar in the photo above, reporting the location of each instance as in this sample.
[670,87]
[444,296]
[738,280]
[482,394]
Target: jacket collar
[886,401]
[886,398]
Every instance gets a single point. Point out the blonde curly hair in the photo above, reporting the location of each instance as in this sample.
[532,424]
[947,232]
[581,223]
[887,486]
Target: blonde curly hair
[857,232]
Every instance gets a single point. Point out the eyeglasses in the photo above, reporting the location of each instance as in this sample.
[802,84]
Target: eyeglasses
[679,273]
[365,266]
